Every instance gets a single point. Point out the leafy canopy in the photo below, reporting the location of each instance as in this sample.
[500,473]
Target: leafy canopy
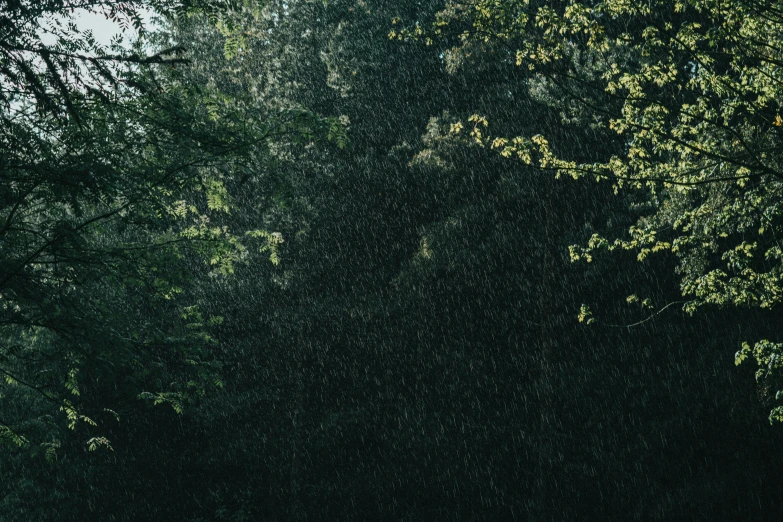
[112,170]
[687,94]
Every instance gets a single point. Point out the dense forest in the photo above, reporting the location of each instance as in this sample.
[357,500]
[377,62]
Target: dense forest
[391,260]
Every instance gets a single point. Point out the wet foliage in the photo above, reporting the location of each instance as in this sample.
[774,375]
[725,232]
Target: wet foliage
[348,307]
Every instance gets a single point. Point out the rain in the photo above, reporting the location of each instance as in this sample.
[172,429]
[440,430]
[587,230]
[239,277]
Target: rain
[299,260]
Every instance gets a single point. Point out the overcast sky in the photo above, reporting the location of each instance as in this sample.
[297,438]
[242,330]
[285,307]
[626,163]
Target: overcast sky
[102,28]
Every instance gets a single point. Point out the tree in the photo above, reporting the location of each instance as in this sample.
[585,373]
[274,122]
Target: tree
[689,89]
[413,350]
[415,353]
[111,168]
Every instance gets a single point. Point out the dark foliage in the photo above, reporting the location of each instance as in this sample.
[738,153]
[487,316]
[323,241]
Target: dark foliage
[412,349]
